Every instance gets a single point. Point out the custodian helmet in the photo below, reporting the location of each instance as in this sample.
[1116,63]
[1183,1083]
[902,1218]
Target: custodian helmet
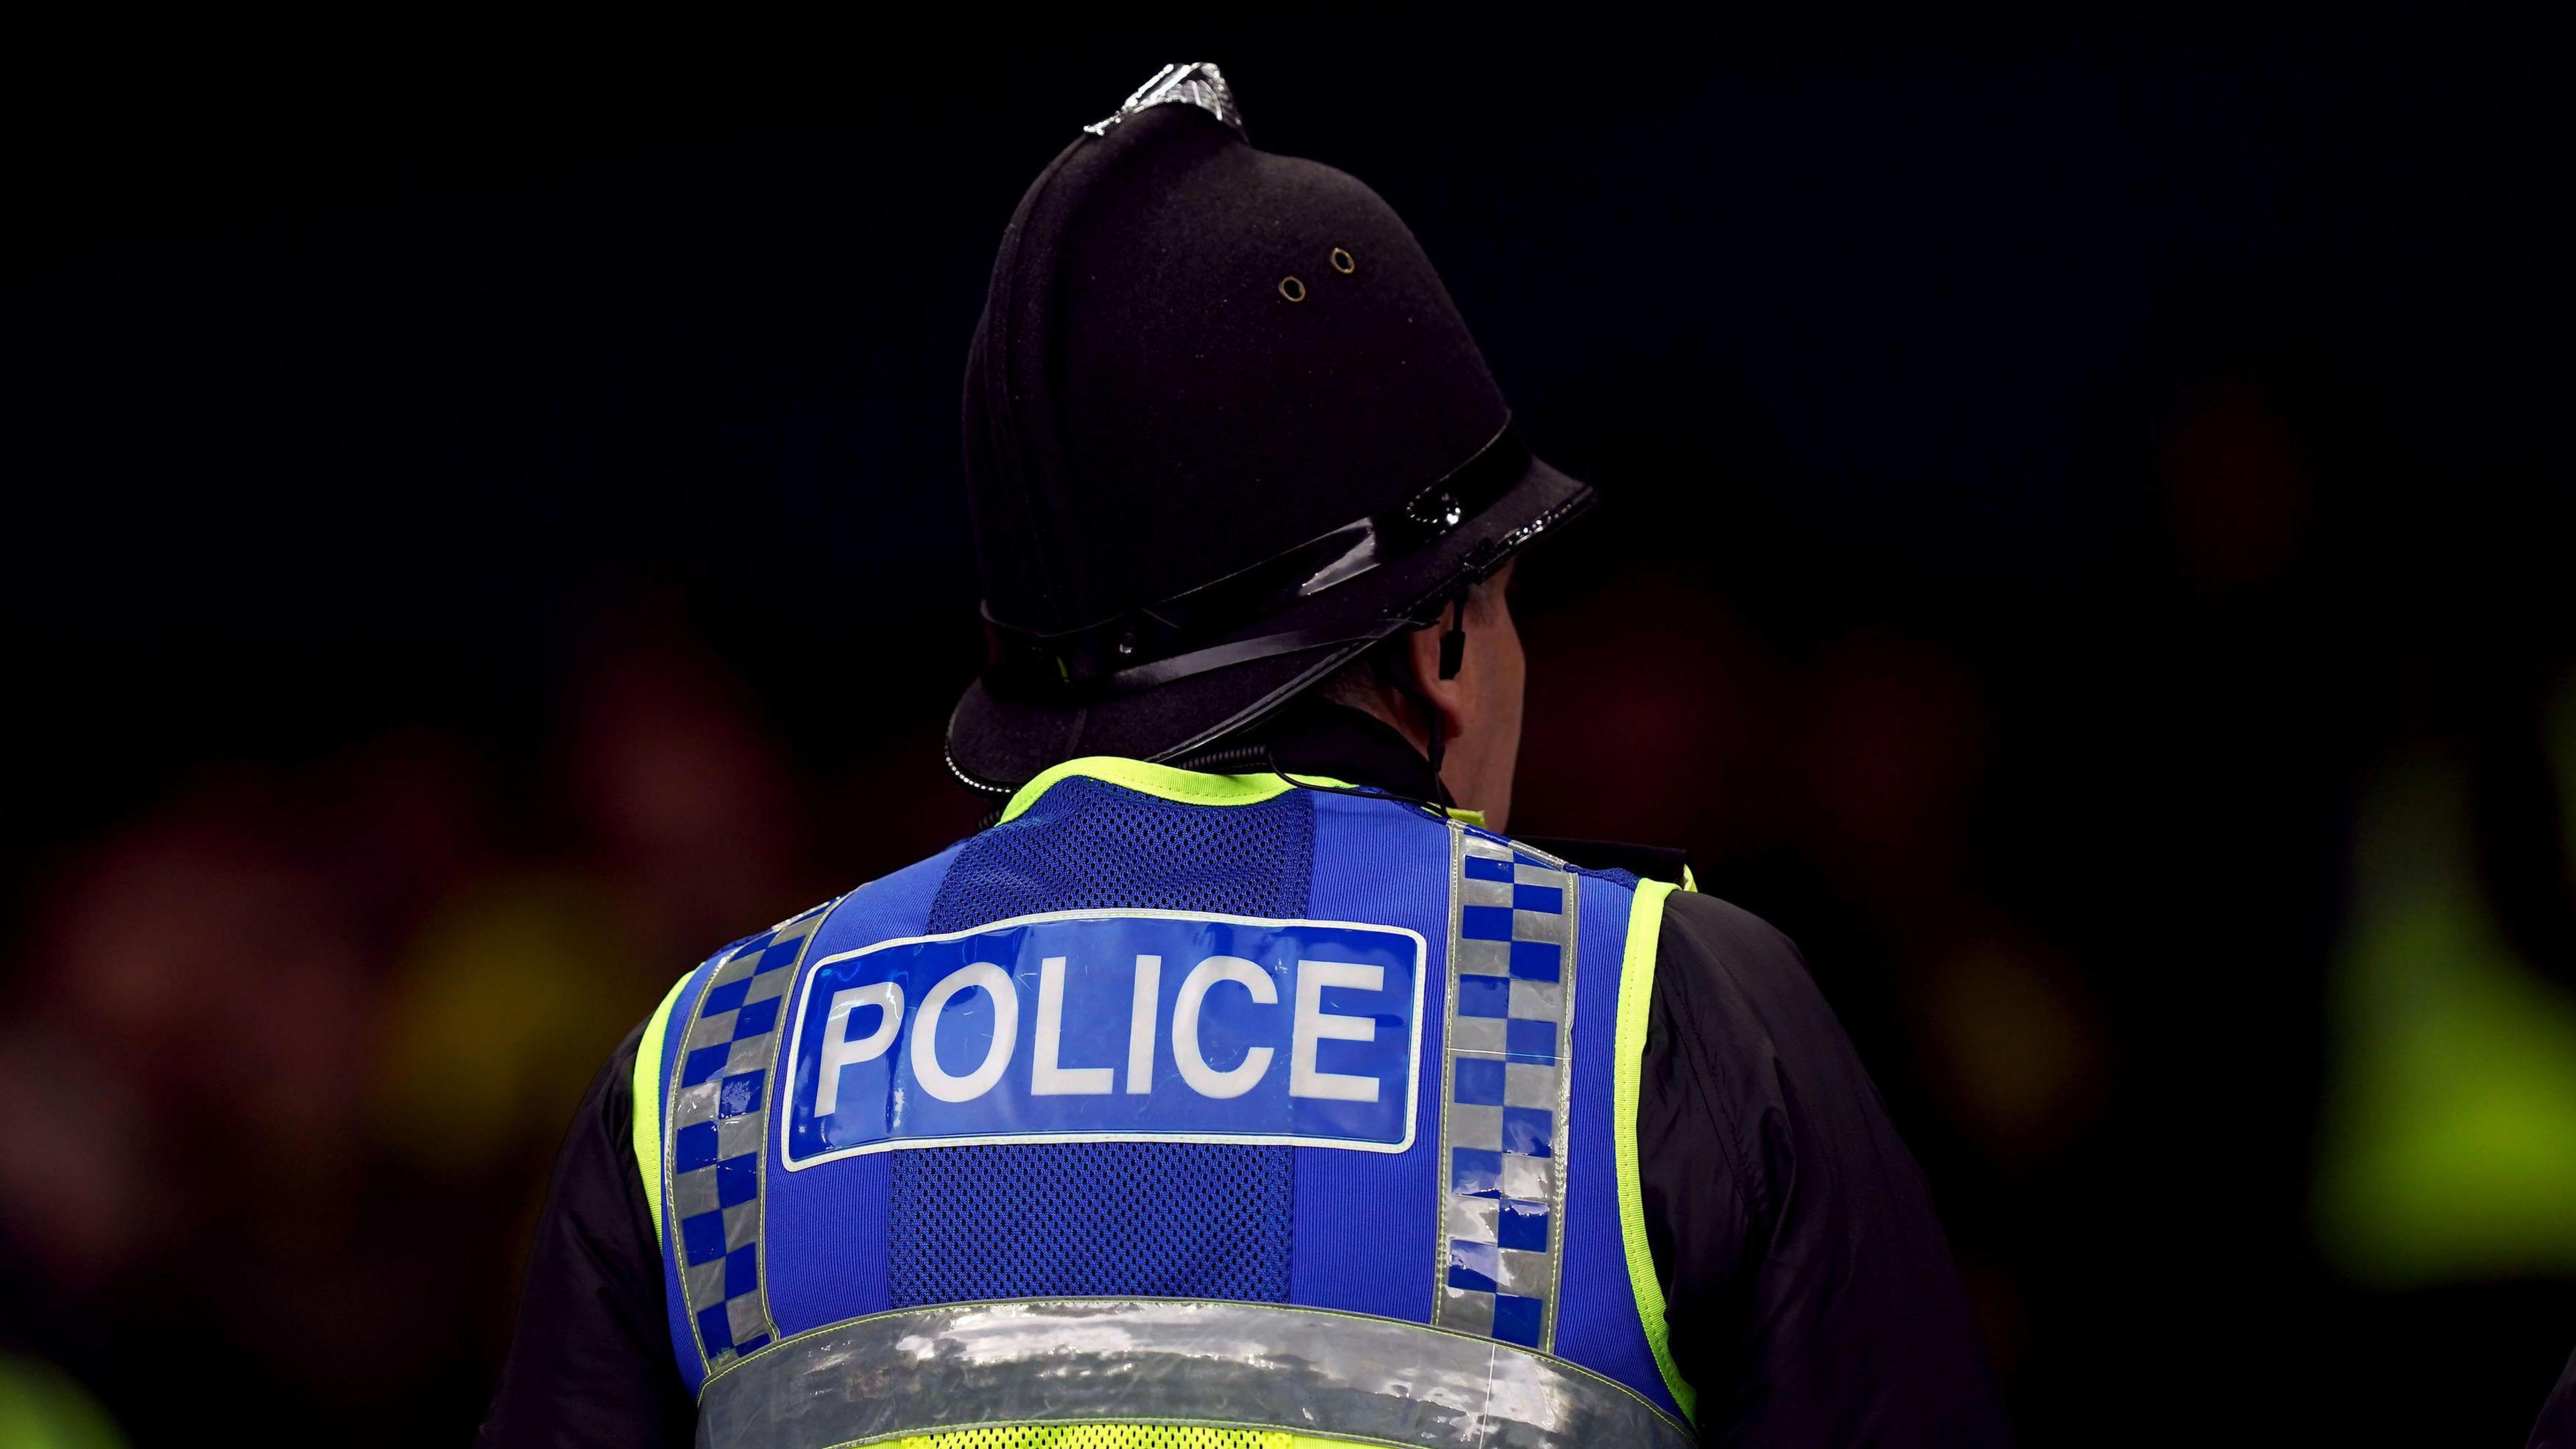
[1224,431]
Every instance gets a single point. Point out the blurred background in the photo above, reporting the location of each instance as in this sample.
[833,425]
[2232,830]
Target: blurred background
[2088,552]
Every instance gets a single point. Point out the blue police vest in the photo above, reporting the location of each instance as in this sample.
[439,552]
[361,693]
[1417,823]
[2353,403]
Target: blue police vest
[1199,1106]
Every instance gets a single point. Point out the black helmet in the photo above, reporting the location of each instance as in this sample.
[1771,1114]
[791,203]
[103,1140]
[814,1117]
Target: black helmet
[1224,431]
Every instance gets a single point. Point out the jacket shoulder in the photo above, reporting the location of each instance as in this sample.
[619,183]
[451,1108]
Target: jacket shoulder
[1711,925]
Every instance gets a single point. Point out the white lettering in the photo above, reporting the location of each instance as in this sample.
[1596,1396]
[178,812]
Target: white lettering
[839,1051]
[1046,1079]
[1204,1079]
[925,1033]
[1315,1024]
[1140,1024]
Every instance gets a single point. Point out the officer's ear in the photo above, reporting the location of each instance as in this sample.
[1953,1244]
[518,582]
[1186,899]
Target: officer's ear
[1438,659]
[1444,654]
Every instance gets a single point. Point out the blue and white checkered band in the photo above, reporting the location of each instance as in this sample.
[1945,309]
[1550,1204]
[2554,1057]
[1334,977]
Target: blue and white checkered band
[1505,1079]
[717,1123]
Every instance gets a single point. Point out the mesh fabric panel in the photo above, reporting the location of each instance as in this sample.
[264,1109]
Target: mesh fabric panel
[1088,845]
[1167,1219]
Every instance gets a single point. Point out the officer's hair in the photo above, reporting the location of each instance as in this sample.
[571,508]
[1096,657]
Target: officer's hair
[1377,681]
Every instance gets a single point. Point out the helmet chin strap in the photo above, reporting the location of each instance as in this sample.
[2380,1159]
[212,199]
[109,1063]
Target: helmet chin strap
[1453,657]
[1453,644]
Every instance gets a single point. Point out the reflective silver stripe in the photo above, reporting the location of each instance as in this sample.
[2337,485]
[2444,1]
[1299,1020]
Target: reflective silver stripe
[1165,1361]
[1190,83]
[1505,1076]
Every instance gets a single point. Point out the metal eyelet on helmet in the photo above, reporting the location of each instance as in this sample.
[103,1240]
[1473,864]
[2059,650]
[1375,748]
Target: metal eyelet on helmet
[1292,289]
[1343,262]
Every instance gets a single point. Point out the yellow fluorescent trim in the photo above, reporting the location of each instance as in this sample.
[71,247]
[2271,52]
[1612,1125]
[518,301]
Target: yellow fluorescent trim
[1188,787]
[648,1100]
[1465,816]
[1636,997]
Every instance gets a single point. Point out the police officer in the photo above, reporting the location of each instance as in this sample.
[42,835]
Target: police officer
[1242,1082]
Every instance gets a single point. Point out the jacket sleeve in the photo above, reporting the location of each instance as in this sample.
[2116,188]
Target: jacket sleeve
[590,1359]
[2556,1428]
[1810,1293]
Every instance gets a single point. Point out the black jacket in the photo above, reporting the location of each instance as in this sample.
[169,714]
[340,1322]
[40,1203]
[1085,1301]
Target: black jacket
[1811,1295]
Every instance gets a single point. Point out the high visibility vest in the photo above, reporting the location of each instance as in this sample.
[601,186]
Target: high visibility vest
[1175,1109]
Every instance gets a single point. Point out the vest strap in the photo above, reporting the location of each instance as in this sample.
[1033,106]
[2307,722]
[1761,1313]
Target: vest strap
[1166,1361]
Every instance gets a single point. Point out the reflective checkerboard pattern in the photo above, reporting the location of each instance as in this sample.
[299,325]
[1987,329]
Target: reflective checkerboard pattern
[718,1120]
[1504,1081]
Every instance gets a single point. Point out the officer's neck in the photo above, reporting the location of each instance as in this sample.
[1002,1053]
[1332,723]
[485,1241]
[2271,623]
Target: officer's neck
[1319,737]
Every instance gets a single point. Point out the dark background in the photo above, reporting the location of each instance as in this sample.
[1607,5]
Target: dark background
[2087,551]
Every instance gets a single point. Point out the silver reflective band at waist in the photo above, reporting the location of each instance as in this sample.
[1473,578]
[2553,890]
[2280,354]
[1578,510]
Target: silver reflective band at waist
[1165,1361]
